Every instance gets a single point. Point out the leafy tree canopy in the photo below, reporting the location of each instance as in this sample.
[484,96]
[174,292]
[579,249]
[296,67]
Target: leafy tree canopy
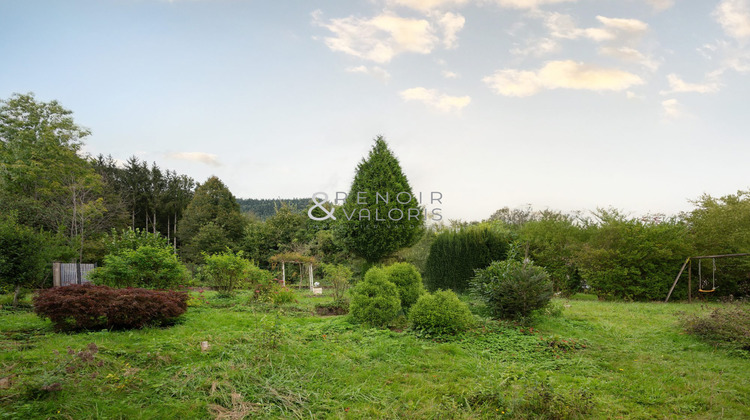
[211,222]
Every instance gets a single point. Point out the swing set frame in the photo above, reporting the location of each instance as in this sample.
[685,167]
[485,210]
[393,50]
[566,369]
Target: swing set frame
[689,263]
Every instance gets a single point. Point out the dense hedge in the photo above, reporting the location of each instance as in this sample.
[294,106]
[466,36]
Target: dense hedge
[79,307]
[632,259]
[454,255]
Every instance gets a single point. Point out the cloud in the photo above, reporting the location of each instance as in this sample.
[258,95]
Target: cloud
[386,35]
[450,75]
[734,18]
[537,47]
[377,72]
[631,55]
[677,85]
[435,99]
[451,24]
[660,5]
[633,95]
[528,4]
[560,75]
[207,158]
[672,108]
[428,5]
[730,56]
[612,29]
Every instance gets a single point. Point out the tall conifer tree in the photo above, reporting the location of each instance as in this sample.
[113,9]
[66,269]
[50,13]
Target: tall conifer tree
[381,214]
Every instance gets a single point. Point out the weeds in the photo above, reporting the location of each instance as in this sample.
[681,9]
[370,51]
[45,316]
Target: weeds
[728,326]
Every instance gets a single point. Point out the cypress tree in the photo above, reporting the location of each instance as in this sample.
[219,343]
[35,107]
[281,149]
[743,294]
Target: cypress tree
[381,214]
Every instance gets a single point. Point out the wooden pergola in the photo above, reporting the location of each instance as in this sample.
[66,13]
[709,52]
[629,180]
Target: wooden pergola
[304,262]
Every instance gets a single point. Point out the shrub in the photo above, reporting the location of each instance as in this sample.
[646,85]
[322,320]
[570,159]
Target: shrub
[22,264]
[147,267]
[728,325]
[283,295]
[338,275]
[226,271]
[87,306]
[440,313]
[408,281]
[262,291]
[454,255]
[513,289]
[375,300]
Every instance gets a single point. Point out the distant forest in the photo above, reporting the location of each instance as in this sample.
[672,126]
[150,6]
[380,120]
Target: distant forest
[266,207]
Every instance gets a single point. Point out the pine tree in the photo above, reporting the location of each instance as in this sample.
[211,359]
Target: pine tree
[381,214]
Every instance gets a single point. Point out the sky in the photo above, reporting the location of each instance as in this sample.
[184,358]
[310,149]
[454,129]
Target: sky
[640,105]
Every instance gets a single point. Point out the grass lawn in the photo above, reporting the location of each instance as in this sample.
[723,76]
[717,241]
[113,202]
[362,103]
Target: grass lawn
[595,360]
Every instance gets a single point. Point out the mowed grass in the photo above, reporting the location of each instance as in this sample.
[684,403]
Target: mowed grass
[595,360]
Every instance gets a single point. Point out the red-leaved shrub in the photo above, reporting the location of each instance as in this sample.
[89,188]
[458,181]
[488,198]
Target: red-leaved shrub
[86,306]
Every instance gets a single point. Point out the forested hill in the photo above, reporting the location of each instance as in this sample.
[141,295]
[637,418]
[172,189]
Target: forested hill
[266,207]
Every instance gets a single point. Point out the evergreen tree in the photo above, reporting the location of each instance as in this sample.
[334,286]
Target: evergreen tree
[212,215]
[381,214]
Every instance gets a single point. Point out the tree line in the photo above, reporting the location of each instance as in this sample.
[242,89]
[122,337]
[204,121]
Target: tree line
[70,207]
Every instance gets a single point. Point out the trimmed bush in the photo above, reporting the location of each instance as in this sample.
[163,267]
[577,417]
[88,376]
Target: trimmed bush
[375,300]
[454,255]
[513,289]
[80,307]
[440,313]
[408,281]
[148,267]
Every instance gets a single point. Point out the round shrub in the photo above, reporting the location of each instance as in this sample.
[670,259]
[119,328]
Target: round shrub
[440,313]
[513,289]
[408,281]
[375,300]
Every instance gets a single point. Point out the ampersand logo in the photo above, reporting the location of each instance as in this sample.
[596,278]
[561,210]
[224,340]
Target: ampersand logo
[319,205]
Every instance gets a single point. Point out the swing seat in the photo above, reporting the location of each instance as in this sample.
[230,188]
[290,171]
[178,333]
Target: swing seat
[706,291]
